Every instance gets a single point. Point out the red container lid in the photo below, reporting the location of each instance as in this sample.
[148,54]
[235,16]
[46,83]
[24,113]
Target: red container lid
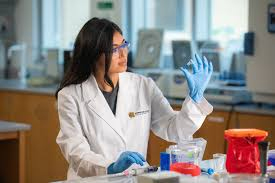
[186,168]
[243,132]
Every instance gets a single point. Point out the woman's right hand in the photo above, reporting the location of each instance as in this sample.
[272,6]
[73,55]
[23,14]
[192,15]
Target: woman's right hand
[125,160]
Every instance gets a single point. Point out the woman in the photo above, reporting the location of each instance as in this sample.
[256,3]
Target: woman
[106,113]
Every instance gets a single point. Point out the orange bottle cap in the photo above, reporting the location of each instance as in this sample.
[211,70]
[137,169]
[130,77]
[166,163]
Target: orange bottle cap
[186,168]
[245,132]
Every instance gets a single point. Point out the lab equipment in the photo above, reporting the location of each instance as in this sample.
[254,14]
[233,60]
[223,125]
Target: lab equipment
[243,151]
[160,77]
[185,154]
[125,160]
[219,162]
[271,18]
[10,70]
[67,60]
[7,28]
[208,171]
[186,168]
[176,85]
[164,161]
[133,172]
[271,176]
[263,147]
[190,62]
[149,49]
[271,156]
[181,52]
[52,70]
[212,51]
[198,142]
[188,151]
[159,177]
[198,81]
[138,171]
[218,92]
[169,150]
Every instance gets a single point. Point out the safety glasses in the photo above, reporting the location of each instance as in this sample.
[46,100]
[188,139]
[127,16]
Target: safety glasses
[123,48]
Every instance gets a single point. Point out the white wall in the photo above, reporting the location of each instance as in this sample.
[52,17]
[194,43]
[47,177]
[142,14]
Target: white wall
[261,66]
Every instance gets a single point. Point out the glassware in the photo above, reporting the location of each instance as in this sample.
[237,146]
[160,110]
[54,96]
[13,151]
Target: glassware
[219,162]
[187,154]
[271,156]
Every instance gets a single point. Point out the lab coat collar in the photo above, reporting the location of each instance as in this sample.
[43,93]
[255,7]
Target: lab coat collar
[96,102]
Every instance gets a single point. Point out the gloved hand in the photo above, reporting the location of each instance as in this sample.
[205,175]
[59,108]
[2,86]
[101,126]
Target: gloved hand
[198,80]
[125,160]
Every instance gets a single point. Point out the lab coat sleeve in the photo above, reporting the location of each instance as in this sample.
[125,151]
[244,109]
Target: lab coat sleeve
[173,125]
[73,142]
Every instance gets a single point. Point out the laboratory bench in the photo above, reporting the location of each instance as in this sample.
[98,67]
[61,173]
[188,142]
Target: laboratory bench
[17,85]
[36,106]
[13,151]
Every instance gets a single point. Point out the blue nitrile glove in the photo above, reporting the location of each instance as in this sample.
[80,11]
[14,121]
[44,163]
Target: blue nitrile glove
[125,160]
[198,80]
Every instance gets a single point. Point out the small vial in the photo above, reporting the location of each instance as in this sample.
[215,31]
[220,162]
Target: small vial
[139,171]
[219,162]
[190,62]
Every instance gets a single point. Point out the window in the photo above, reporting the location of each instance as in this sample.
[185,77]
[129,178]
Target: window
[61,21]
[160,13]
[229,19]
[174,17]
[229,22]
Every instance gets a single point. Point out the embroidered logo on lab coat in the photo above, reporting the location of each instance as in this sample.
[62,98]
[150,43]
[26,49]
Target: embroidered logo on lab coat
[134,114]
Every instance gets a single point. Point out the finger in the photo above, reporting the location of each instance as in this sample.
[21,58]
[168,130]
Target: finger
[210,69]
[205,64]
[199,61]
[194,66]
[141,157]
[188,77]
[137,158]
[185,72]
[130,159]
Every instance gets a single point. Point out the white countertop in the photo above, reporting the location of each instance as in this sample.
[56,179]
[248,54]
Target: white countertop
[12,126]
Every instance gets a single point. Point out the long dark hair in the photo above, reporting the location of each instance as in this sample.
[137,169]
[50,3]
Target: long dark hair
[94,39]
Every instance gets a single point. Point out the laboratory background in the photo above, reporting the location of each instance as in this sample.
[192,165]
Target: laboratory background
[36,43]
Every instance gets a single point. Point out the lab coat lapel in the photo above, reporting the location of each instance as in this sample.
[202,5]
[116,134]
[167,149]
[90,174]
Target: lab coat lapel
[99,105]
[124,100]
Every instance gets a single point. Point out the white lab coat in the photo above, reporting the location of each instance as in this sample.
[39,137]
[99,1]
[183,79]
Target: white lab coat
[91,137]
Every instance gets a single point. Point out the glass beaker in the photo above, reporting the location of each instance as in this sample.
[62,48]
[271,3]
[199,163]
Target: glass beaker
[219,160]
[186,154]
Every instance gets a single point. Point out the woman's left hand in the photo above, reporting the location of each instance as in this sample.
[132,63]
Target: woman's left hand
[199,79]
